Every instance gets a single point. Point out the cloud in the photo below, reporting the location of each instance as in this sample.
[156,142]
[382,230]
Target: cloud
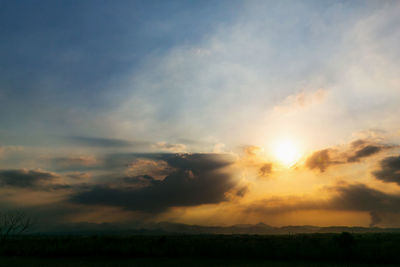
[351,153]
[265,169]
[164,146]
[359,197]
[294,102]
[137,181]
[252,151]
[253,160]
[113,162]
[25,178]
[78,175]
[196,179]
[343,197]
[158,169]
[219,148]
[122,143]
[389,170]
[34,180]
[106,142]
[74,162]
[320,160]
[6,149]
[242,191]
[363,148]
[364,152]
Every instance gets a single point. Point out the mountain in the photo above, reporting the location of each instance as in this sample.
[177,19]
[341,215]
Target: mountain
[168,228]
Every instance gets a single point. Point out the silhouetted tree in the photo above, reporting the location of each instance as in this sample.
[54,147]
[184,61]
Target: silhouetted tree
[13,223]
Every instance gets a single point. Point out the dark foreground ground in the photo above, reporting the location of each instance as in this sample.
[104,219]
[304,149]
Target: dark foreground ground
[203,250]
[93,262]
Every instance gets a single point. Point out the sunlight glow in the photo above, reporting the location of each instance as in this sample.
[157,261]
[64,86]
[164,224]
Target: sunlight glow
[287,152]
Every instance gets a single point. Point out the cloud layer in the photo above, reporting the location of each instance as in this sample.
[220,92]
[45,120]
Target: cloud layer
[196,179]
[345,197]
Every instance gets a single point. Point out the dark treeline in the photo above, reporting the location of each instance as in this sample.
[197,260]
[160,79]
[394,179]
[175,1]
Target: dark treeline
[378,248]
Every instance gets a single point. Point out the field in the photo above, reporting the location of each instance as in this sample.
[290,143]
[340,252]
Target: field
[200,250]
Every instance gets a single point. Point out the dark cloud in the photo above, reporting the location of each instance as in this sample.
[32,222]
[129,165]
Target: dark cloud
[32,179]
[196,179]
[106,142]
[167,162]
[366,151]
[389,170]
[25,178]
[320,160]
[242,191]
[359,197]
[354,152]
[265,169]
[138,179]
[135,182]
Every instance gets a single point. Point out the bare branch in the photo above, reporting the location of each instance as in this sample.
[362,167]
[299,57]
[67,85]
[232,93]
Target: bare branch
[13,223]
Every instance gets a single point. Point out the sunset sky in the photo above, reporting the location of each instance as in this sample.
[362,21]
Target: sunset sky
[201,112]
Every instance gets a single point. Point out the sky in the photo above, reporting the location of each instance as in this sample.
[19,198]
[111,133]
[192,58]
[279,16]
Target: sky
[201,112]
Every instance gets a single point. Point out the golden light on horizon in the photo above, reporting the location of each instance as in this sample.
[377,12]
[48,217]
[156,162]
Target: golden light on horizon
[287,152]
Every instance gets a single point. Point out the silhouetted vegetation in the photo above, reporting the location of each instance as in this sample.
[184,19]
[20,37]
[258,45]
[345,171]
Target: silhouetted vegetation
[13,223]
[371,248]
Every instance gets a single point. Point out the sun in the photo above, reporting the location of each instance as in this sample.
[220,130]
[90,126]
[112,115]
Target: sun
[286,151]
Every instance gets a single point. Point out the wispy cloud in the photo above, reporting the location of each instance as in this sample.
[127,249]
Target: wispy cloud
[350,153]
[105,142]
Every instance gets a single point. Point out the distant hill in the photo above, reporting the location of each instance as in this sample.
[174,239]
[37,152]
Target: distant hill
[263,229]
[167,228]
